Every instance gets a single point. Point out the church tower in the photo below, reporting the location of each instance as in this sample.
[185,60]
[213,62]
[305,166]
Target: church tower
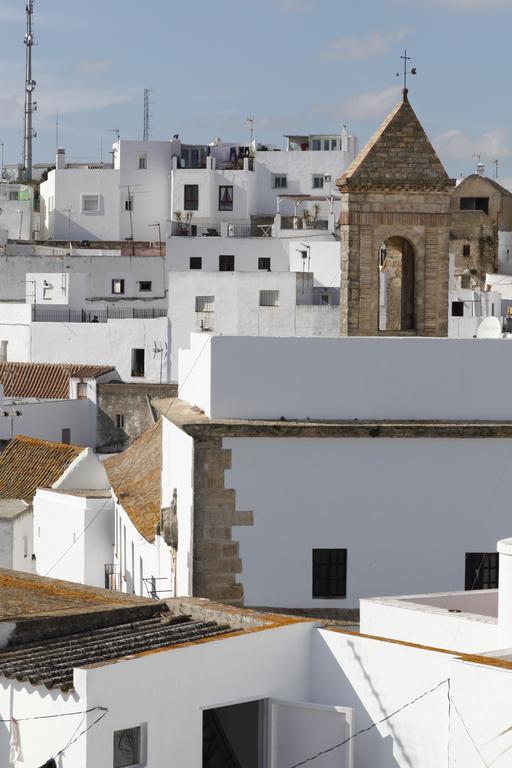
[394,231]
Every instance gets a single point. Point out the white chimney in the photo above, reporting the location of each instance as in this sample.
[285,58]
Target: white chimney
[505,594]
[60,161]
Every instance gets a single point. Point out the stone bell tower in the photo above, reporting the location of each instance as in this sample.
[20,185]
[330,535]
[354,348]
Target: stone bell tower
[394,231]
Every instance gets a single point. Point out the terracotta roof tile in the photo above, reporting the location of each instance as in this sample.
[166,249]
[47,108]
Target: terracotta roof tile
[28,464]
[135,478]
[45,380]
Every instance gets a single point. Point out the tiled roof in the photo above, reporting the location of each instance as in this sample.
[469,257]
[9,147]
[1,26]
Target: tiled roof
[142,629]
[46,381]
[135,478]
[28,464]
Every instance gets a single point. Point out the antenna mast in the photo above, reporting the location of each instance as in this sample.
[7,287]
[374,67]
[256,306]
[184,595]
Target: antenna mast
[30,105]
[146,115]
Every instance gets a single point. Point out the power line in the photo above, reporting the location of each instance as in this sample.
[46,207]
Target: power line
[468,733]
[51,717]
[373,725]
[89,727]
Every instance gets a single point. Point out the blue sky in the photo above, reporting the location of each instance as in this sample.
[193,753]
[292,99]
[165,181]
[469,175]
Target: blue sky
[296,65]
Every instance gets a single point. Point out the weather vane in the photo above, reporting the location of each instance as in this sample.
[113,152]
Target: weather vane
[406,71]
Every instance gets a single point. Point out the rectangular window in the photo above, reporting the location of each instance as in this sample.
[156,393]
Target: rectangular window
[196,262]
[13,194]
[142,162]
[127,748]
[466,250]
[318,182]
[119,421]
[145,285]
[269,298]
[205,303]
[138,363]
[128,203]
[191,197]
[482,570]
[326,145]
[474,204]
[117,286]
[329,573]
[457,309]
[465,280]
[66,436]
[316,145]
[264,263]
[279,181]
[226,263]
[324,298]
[90,203]
[334,144]
[225,198]
[81,390]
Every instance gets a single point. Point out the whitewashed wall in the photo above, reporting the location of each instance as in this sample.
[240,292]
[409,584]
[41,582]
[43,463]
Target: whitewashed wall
[209,181]
[23,542]
[45,420]
[267,378]
[396,505]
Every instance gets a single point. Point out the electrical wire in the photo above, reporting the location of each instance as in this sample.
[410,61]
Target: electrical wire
[82,733]
[51,717]
[373,725]
[469,734]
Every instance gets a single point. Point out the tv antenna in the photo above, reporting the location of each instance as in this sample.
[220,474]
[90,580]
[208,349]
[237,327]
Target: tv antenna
[160,349]
[251,120]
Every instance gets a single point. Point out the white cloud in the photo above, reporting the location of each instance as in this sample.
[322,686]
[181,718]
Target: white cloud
[95,66]
[370,105]
[472,5]
[455,144]
[359,48]
[294,6]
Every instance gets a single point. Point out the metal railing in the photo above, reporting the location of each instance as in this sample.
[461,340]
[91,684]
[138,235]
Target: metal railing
[46,315]
[298,222]
[179,228]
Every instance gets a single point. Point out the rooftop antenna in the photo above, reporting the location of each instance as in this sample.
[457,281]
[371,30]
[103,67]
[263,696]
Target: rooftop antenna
[147,129]
[30,105]
[251,120]
[406,72]
[496,164]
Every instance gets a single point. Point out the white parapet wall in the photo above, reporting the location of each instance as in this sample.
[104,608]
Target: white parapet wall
[347,378]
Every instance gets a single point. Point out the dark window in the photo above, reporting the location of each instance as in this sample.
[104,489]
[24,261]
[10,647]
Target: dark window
[66,436]
[324,298]
[127,748]
[279,182]
[466,250]
[137,363]
[196,262]
[329,573]
[264,263]
[474,204]
[145,285]
[482,570]
[457,309]
[226,263]
[191,197]
[317,145]
[225,198]
[119,421]
[117,286]
[318,182]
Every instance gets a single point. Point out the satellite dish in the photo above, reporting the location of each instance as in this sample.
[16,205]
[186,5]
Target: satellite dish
[490,328]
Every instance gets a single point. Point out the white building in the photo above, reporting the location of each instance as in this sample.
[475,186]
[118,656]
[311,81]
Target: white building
[16,211]
[304,445]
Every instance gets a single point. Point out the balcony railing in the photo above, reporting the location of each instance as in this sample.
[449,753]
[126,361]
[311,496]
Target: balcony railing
[298,222]
[46,315]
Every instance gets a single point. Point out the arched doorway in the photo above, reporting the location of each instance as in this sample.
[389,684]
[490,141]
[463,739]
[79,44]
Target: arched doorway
[397,311]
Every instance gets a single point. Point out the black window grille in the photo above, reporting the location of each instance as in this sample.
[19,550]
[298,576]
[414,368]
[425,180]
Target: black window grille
[329,573]
[482,570]
[264,263]
[226,263]
[191,197]
[196,262]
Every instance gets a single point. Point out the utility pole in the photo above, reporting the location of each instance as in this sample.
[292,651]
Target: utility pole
[30,104]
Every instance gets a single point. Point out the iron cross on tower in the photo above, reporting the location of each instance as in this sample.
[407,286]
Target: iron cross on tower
[406,71]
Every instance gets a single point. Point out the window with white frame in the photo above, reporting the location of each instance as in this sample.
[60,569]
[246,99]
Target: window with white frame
[279,181]
[318,181]
[90,203]
[205,303]
[269,298]
[129,748]
[142,162]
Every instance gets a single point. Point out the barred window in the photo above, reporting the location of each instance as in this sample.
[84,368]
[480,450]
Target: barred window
[269,298]
[205,303]
[329,573]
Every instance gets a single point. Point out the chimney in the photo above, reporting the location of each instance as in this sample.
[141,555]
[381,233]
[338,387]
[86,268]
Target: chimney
[505,594]
[60,161]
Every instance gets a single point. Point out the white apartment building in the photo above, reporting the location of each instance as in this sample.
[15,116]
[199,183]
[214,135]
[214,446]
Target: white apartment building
[138,194]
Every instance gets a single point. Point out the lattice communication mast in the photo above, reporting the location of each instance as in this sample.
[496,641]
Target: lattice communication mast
[30,105]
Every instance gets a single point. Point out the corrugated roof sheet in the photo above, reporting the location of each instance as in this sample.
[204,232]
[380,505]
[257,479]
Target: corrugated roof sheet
[46,381]
[28,464]
[135,479]
[51,662]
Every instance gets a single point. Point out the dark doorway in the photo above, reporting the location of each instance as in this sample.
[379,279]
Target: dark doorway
[397,311]
[231,736]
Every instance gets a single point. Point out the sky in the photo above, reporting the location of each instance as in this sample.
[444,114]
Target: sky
[297,66]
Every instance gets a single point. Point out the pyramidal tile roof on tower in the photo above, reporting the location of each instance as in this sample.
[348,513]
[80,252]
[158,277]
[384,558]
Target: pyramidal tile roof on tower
[398,156]
[28,464]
